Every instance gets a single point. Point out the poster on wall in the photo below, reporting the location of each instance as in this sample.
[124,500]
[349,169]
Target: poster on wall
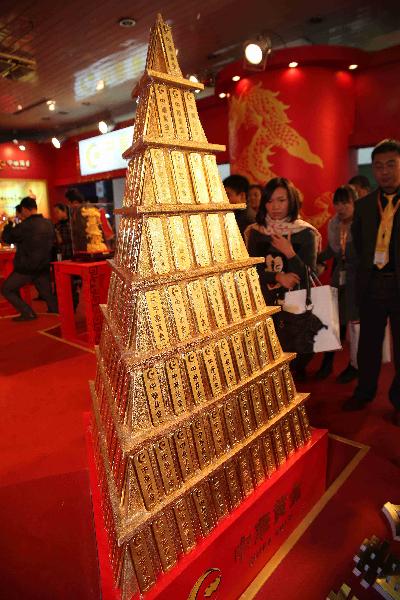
[13,190]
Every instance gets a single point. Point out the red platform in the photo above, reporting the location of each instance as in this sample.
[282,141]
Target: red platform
[95,280]
[6,267]
[231,557]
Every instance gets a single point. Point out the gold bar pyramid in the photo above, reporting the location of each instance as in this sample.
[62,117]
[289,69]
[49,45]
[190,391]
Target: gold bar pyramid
[193,400]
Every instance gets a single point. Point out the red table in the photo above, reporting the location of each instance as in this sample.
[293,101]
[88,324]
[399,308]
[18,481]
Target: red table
[6,267]
[95,280]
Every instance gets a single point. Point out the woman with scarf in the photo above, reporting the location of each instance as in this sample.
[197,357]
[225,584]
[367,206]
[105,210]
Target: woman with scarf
[289,246]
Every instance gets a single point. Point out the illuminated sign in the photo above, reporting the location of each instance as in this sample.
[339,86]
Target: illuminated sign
[103,153]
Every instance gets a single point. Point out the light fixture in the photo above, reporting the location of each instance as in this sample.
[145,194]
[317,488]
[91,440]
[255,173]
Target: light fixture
[100,85]
[352,67]
[293,64]
[56,141]
[193,78]
[256,53]
[19,107]
[127,22]
[106,126]
[22,147]
[15,141]
[222,95]
[236,78]
[51,104]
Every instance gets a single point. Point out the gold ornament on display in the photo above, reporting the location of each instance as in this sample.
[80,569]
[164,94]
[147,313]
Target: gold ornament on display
[193,400]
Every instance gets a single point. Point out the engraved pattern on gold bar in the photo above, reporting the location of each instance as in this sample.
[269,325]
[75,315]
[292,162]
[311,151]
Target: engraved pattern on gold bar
[228,283]
[160,178]
[142,560]
[237,249]
[146,478]
[165,543]
[194,374]
[196,130]
[179,114]
[227,363]
[179,244]
[183,184]
[157,245]
[196,297]
[216,238]
[220,494]
[214,294]
[184,453]
[177,306]
[166,465]
[199,241]
[156,318]
[185,525]
[176,388]
[217,191]
[164,111]
[198,178]
[205,509]
[212,370]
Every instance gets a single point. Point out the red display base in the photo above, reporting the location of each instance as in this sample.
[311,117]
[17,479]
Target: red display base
[228,560]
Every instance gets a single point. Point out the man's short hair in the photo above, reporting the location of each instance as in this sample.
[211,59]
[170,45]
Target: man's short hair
[361,181]
[384,146]
[74,195]
[18,209]
[28,203]
[238,183]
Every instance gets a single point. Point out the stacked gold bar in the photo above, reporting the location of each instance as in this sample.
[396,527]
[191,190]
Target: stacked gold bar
[194,402]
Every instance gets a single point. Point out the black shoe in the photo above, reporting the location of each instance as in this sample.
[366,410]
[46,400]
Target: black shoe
[30,317]
[324,371]
[349,374]
[354,403]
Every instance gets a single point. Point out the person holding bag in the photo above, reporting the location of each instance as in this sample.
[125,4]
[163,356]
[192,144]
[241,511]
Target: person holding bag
[289,245]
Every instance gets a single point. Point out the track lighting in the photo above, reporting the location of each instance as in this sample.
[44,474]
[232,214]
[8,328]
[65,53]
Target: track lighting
[106,126]
[256,53]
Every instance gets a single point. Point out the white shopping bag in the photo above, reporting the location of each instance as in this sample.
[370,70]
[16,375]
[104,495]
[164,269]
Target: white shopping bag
[324,299]
[353,334]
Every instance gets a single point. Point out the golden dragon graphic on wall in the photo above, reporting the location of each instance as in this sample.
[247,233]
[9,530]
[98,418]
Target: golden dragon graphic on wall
[260,109]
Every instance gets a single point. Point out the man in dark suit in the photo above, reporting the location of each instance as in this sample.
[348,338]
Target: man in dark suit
[376,237]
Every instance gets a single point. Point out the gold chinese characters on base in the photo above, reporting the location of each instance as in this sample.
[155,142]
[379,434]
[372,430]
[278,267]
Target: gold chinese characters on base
[193,400]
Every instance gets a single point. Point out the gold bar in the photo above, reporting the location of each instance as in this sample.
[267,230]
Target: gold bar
[194,373]
[167,41]
[219,491]
[245,473]
[198,178]
[247,416]
[231,422]
[165,543]
[244,294]
[305,425]
[280,399]
[146,478]
[287,437]
[215,299]
[157,321]
[164,111]
[154,396]
[162,190]
[217,431]
[258,297]
[176,386]
[227,363]
[250,349]
[200,439]
[204,510]
[157,245]
[228,284]
[166,465]
[178,112]
[262,344]
[185,525]
[288,379]
[216,238]
[199,241]
[258,405]
[183,185]
[273,338]
[268,398]
[142,560]
[177,303]
[179,243]
[212,370]
[296,428]
[198,306]
[278,443]
[184,455]
[236,245]
[196,130]
[239,356]
[257,463]
[269,454]
[214,179]
[232,478]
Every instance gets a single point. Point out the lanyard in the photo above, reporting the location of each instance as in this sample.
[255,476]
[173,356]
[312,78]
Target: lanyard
[344,234]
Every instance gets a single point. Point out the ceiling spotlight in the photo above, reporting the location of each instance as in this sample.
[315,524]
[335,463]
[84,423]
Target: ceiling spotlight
[222,95]
[56,142]
[293,64]
[236,78]
[127,22]
[256,53]
[100,85]
[51,104]
[193,78]
[22,147]
[19,107]
[106,126]
[352,67]
[15,141]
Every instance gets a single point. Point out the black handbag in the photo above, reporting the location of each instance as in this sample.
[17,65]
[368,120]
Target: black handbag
[296,332]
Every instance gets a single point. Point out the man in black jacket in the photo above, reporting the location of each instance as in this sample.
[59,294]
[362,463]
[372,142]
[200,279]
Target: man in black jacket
[34,239]
[376,238]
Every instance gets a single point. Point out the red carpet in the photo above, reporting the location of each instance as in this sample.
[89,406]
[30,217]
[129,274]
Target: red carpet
[47,536]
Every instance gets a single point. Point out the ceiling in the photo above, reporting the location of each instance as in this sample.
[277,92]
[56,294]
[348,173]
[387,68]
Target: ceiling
[74,45]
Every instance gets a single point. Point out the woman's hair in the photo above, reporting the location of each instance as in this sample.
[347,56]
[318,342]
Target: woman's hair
[293,198]
[345,194]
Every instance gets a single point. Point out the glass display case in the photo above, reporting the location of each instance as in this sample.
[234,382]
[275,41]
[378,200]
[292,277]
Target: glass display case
[92,231]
